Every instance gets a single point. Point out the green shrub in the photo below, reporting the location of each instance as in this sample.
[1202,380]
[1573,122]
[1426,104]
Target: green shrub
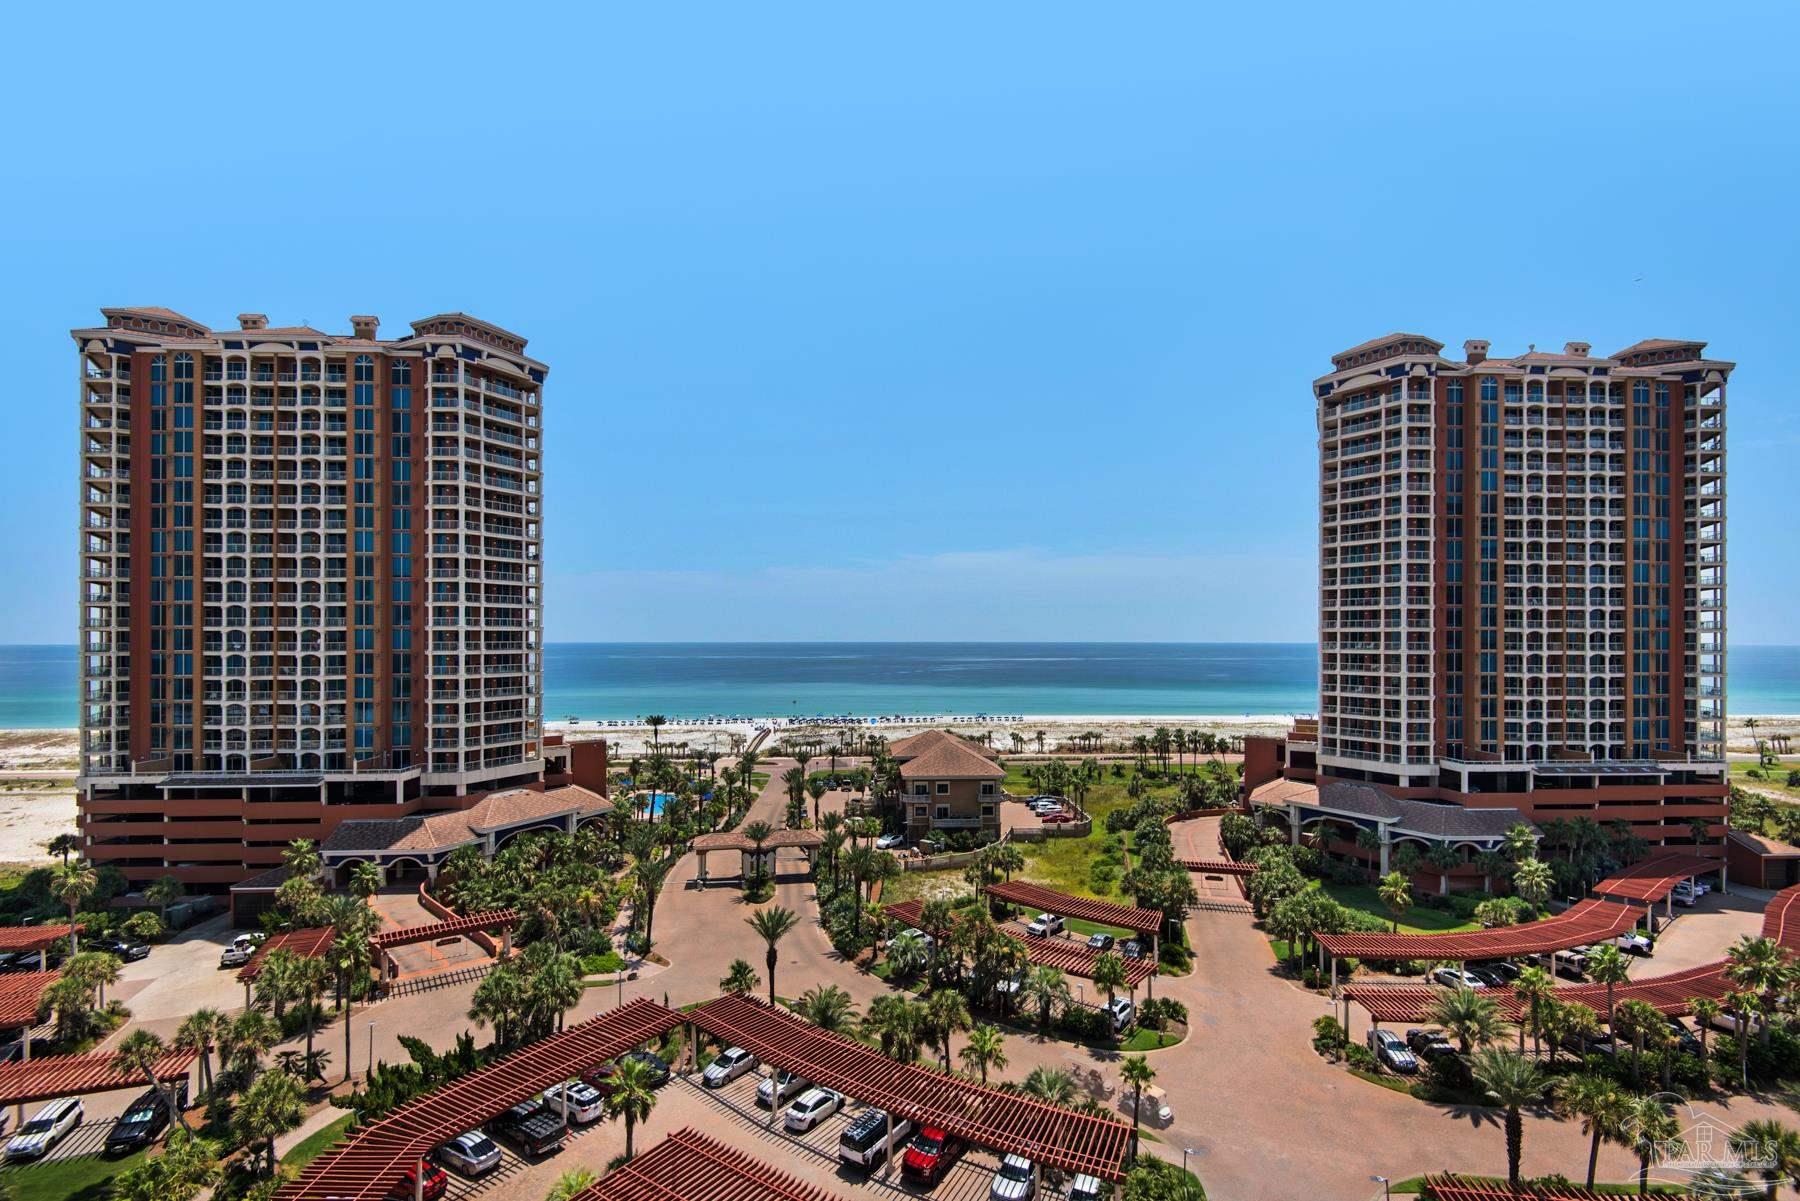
[1329,1037]
[1360,1057]
[1082,1024]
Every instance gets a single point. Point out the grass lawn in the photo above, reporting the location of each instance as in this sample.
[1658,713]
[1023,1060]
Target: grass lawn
[1418,919]
[314,1144]
[1148,1040]
[87,1178]
[1064,863]
[1774,779]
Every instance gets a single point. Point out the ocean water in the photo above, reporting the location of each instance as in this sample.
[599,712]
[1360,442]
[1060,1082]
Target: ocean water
[695,679]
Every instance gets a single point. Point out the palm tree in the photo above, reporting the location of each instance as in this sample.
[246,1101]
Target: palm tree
[1045,987]
[571,1184]
[164,893]
[1649,1128]
[1704,1009]
[897,1023]
[1533,987]
[1137,1072]
[271,1107]
[499,999]
[247,1040]
[985,1048]
[310,977]
[1601,1106]
[633,1095]
[143,1051]
[828,1007]
[1774,1148]
[64,845]
[740,977]
[656,722]
[301,858]
[816,790]
[73,883]
[1608,966]
[1512,1082]
[200,1032]
[946,1013]
[1396,893]
[365,879]
[1532,880]
[1635,1019]
[1051,1085]
[1472,1018]
[772,925]
[1758,965]
[1109,973]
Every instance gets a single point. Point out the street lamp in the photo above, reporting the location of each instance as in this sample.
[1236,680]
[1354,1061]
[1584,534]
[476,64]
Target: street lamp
[1185,1152]
[371,1048]
[1383,1180]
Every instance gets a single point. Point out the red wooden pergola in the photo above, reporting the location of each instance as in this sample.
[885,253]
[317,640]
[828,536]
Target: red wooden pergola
[1004,1122]
[1064,954]
[688,1166]
[371,1161]
[72,1075]
[309,943]
[1450,1187]
[1218,867]
[33,938]
[1035,896]
[1653,879]
[20,993]
[1584,922]
[493,919]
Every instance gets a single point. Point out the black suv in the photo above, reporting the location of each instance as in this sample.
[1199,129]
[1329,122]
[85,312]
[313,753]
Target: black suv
[147,1118]
[1429,1044]
[124,948]
[530,1127]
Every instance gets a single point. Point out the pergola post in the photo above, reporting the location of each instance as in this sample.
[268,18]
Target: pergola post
[1334,991]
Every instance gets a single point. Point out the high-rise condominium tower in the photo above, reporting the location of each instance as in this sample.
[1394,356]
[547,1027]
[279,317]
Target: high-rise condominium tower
[1522,578]
[310,582]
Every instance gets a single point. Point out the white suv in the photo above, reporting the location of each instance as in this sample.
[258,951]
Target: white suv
[1044,925]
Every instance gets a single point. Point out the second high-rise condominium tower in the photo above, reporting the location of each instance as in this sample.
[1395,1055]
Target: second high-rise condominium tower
[310,580]
[1522,566]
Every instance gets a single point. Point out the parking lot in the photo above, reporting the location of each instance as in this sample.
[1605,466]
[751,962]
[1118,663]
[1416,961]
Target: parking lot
[968,1180]
[86,1139]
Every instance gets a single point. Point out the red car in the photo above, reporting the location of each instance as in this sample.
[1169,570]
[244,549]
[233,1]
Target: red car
[436,1181]
[930,1155]
[1052,819]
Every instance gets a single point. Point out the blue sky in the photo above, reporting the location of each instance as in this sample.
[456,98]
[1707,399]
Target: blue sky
[973,321]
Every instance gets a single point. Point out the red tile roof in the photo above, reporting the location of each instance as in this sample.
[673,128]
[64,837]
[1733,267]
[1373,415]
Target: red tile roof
[69,1075]
[19,996]
[493,919]
[1127,917]
[688,1166]
[1064,954]
[1654,878]
[309,943]
[1584,922]
[33,938]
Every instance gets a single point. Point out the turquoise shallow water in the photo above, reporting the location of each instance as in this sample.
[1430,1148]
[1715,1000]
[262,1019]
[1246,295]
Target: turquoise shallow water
[624,680]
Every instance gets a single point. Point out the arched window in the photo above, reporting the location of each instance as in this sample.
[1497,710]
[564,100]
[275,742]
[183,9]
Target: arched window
[184,366]
[365,369]
[400,371]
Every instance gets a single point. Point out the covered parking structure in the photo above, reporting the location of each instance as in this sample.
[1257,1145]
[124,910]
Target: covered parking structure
[32,1080]
[688,1166]
[1654,879]
[1451,1187]
[16,940]
[370,1162]
[1672,994]
[1036,896]
[1584,922]
[807,841]
[1077,959]
[1008,1123]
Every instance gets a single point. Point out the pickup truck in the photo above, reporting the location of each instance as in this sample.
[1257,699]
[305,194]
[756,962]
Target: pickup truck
[530,1127]
[864,1141]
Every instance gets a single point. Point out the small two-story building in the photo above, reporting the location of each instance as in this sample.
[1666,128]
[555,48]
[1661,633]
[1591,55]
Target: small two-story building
[948,783]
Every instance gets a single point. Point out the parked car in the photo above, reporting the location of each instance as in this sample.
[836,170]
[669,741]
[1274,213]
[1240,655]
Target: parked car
[1451,977]
[1726,1021]
[1486,975]
[19,961]
[779,1087]
[471,1153]
[148,1117]
[1392,1051]
[124,948]
[47,1127]
[1044,925]
[437,1181]
[1686,1040]
[235,956]
[1012,1180]
[1086,1188]
[812,1107]
[1010,985]
[1589,1043]
[1101,942]
[582,1101]
[659,1067]
[1572,963]
[865,1140]
[1123,1013]
[1635,942]
[14,1051]
[1700,887]
[1131,948]
[529,1127]
[1506,969]
[1429,1044]
[1057,818]
[250,938]
[890,842]
[930,1155]
[925,940]
[1685,894]
[730,1063]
